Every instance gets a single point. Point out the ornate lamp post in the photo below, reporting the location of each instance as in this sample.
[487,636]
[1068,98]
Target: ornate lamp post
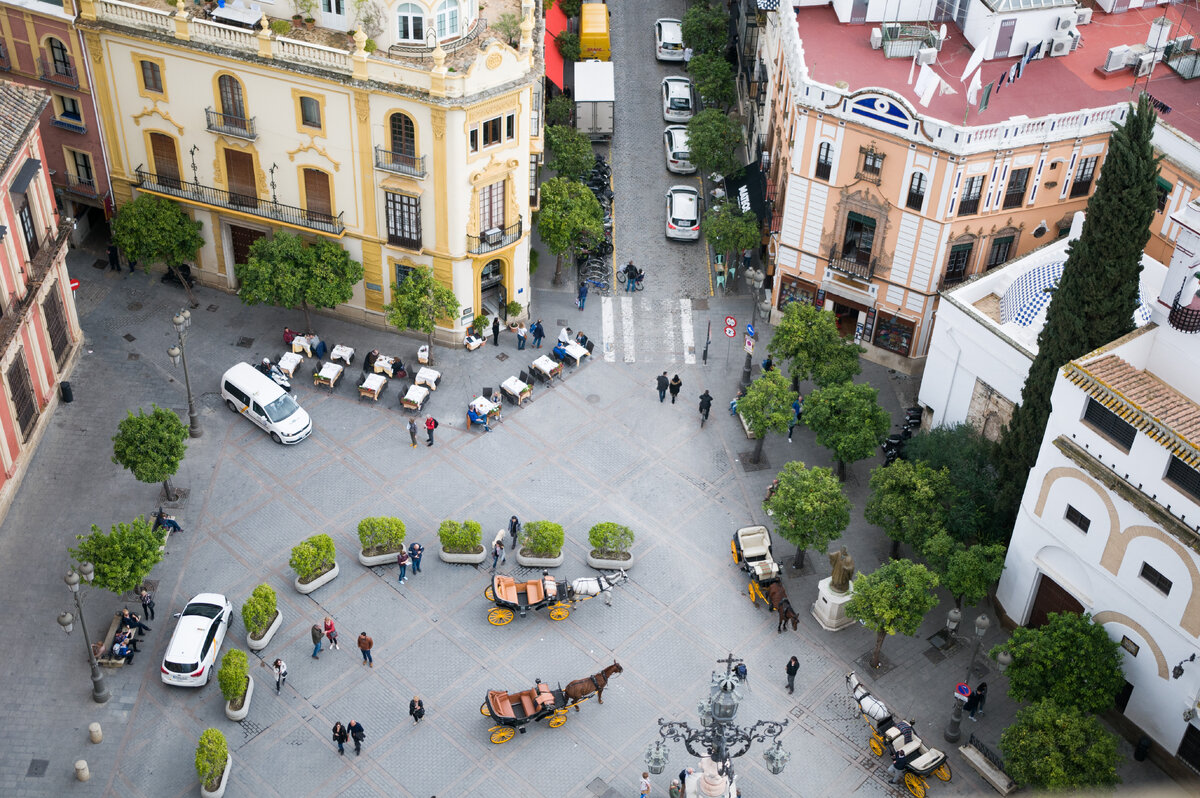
[719,738]
[66,620]
[754,279]
[178,353]
[982,624]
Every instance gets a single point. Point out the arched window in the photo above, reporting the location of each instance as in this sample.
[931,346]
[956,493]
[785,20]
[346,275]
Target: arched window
[59,57]
[447,19]
[411,20]
[403,135]
[232,105]
[916,191]
[824,160]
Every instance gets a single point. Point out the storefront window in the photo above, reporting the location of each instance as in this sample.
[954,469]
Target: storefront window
[894,335]
[793,290]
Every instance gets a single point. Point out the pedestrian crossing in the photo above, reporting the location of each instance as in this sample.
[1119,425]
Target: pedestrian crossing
[649,330]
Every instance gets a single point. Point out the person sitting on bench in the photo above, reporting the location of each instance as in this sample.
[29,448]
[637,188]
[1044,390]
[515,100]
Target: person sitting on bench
[131,621]
[476,418]
[164,520]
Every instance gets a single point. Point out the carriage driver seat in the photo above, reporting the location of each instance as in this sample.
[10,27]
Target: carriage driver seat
[545,698]
[550,586]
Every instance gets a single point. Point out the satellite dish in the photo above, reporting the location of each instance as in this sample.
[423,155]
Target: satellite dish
[942,32]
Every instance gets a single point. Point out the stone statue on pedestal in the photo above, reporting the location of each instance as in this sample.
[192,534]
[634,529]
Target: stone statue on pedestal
[708,783]
[834,592]
[843,570]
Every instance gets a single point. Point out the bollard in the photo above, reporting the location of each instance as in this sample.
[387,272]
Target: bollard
[81,770]
[94,732]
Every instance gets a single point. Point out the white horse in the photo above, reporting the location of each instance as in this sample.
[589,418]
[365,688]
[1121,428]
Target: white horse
[598,585]
[871,706]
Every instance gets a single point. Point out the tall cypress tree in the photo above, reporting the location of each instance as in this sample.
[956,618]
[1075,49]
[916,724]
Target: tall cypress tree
[1097,294]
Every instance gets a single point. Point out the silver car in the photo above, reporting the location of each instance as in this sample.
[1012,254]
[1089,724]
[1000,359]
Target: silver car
[675,147]
[668,39]
[683,213]
[678,105]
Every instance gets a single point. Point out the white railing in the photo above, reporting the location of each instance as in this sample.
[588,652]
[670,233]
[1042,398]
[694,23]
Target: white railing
[202,30]
[312,54]
[135,16]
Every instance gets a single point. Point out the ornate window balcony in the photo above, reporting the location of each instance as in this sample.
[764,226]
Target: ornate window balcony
[493,239]
[238,126]
[398,162]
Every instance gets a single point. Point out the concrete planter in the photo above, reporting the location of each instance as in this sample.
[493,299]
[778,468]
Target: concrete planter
[539,562]
[240,714]
[261,643]
[220,791]
[378,559]
[602,564]
[323,579]
[462,559]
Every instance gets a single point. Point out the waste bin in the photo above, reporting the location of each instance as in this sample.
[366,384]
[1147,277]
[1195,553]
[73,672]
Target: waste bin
[68,395]
[1142,749]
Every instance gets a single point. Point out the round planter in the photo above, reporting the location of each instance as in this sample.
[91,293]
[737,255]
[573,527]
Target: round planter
[602,564]
[462,559]
[220,791]
[323,579]
[261,643]
[539,562]
[377,559]
[240,714]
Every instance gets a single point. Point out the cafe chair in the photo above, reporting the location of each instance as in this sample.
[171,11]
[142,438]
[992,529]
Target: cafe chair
[487,393]
[591,345]
[524,377]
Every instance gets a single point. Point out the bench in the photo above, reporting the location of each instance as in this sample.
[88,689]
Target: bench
[103,650]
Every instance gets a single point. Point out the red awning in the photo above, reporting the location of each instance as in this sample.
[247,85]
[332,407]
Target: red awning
[556,23]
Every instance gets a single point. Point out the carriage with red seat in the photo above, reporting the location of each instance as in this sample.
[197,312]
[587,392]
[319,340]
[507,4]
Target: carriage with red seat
[512,711]
[512,597]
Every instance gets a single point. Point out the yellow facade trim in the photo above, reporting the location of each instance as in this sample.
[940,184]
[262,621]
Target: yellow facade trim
[150,94]
[150,150]
[372,252]
[437,118]
[312,146]
[387,132]
[104,101]
[216,87]
[493,173]
[222,180]
[153,111]
[402,185]
[503,255]
[301,127]
[300,170]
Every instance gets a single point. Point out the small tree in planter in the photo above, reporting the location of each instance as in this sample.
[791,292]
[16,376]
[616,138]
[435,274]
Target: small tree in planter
[313,558]
[543,539]
[381,535]
[212,755]
[258,613]
[234,677]
[610,541]
[461,542]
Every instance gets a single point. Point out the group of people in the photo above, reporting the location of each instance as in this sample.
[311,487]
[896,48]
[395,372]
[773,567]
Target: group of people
[536,330]
[673,386]
[499,553]
[125,641]
[413,557]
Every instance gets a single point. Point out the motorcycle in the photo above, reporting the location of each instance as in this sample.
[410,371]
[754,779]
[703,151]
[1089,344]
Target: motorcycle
[273,371]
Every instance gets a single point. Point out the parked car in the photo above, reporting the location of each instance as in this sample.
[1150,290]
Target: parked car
[683,213]
[249,392]
[668,39]
[677,99]
[675,146]
[192,653]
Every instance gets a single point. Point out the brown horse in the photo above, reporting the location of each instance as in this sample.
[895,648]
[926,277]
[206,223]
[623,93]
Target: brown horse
[778,599]
[582,688]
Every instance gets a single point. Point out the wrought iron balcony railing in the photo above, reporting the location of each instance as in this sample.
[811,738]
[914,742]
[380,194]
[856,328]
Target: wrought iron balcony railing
[83,186]
[230,125]
[69,124]
[493,239]
[853,264]
[399,163]
[171,186]
[1183,318]
[57,73]
[51,244]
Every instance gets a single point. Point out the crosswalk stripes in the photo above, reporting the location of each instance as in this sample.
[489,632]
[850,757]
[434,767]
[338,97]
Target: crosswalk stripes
[654,329]
[606,334]
[689,333]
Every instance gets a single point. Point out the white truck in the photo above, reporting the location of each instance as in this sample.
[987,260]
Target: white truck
[595,94]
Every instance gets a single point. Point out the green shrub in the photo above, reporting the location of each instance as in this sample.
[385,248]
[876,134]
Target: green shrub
[480,324]
[559,110]
[570,7]
[313,557]
[533,256]
[513,308]
[232,676]
[280,26]
[542,538]
[568,46]
[461,538]
[259,611]
[370,46]
[609,540]
[380,535]
[212,752]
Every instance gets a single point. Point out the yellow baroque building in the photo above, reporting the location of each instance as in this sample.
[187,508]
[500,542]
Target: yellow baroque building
[409,131]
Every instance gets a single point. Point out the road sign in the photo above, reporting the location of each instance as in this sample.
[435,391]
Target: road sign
[74,284]
[730,332]
[749,345]
[730,321]
[750,330]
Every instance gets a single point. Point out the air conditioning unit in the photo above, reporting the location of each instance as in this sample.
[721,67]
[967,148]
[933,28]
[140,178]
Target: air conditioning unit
[876,39]
[1144,63]
[1076,38]
[1083,16]
[1061,45]
[1066,19]
[926,56]
[493,235]
[1117,58]
[1183,44]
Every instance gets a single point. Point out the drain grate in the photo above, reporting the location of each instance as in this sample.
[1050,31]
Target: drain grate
[37,768]
[245,343]
[134,356]
[597,786]
[502,357]
[211,308]
[129,337]
[134,306]
[100,264]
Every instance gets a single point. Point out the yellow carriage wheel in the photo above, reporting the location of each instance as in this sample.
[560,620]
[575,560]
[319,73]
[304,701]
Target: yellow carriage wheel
[942,771]
[876,745]
[558,719]
[733,549]
[914,783]
[499,616]
[559,613]
[483,709]
[489,594]
[502,734]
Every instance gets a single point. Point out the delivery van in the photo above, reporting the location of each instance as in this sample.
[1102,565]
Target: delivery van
[248,391]
[593,32]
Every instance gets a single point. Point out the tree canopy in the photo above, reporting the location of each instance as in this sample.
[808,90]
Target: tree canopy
[847,420]
[151,446]
[1050,747]
[151,229]
[283,270]
[969,459]
[571,152]
[568,211]
[967,572]
[123,557]
[713,77]
[767,407]
[715,141]
[418,301]
[1070,660]
[727,230]
[892,599]
[908,502]
[807,339]
[705,29]
[809,508]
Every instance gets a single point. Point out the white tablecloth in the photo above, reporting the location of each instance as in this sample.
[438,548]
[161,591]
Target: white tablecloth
[545,365]
[576,351]
[385,363]
[342,352]
[484,407]
[330,371]
[514,385]
[428,376]
[374,382]
[417,394]
[288,363]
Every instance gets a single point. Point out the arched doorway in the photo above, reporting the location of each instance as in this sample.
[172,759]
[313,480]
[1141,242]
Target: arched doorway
[492,291]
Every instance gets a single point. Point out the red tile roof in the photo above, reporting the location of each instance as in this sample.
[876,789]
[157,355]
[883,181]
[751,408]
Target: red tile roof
[1142,393]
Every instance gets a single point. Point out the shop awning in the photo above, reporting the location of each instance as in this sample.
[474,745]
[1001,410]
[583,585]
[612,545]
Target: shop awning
[556,23]
[749,190]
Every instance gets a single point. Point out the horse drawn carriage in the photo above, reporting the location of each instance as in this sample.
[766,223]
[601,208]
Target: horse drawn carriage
[513,711]
[518,598]
[889,734]
[751,547]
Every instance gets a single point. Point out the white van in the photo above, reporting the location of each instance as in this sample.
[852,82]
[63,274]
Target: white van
[248,391]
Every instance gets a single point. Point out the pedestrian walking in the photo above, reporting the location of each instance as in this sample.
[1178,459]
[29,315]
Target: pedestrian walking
[402,561]
[683,777]
[340,736]
[497,553]
[663,384]
[358,734]
[687,56]
[644,786]
[416,708]
[412,431]
[365,644]
[147,603]
[675,791]
[538,332]
[331,634]
[793,667]
[582,294]
[496,331]
[674,387]
[514,529]
[280,674]
[415,552]
[797,410]
[318,634]
[521,333]
[114,258]
[975,701]
[430,425]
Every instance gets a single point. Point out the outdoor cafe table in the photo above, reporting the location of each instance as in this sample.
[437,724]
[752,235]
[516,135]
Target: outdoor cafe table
[385,364]
[576,352]
[486,407]
[548,367]
[372,386]
[289,362]
[329,374]
[516,390]
[428,377]
[343,353]
[415,397]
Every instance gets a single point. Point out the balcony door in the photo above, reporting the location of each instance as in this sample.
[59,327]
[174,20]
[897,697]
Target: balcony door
[166,163]
[239,170]
[232,106]
[317,202]
[491,207]
[860,235]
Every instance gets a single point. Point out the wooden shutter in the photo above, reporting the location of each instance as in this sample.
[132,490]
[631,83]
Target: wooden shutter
[316,196]
[239,169]
[56,325]
[166,164]
[21,390]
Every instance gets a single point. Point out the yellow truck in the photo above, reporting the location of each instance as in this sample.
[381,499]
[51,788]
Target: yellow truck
[593,32]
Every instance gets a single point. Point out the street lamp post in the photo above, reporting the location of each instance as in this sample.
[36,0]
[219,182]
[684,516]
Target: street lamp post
[178,354]
[982,623]
[99,690]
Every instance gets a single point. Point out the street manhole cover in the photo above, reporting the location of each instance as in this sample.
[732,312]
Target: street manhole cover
[134,356]
[101,265]
[211,308]
[593,398]
[129,337]
[597,786]
[37,768]
[502,357]
[134,306]
[245,343]
[699,304]
[562,322]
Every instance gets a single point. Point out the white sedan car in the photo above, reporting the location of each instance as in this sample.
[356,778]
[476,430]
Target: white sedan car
[683,213]
[675,147]
[668,39]
[678,105]
[192,653]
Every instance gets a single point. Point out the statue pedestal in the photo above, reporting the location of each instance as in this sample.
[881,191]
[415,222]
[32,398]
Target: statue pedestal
[830,608]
